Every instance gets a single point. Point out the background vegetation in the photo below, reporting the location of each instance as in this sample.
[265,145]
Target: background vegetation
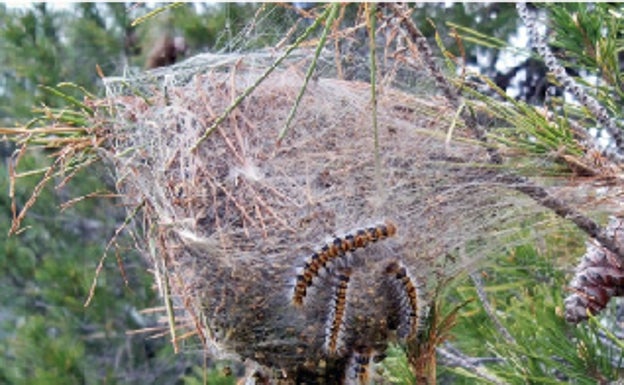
[48,336]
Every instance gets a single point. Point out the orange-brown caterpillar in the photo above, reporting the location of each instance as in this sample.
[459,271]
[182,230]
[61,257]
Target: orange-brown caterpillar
[336,249]
[359,366]
[399,273]
[340,304]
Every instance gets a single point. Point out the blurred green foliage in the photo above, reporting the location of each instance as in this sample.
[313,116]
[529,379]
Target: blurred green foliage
[527,287]
[47,335]
[590,38]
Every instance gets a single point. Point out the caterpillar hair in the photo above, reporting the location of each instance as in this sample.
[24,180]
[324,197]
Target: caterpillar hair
[336,317]
[408,296]
[336,249]
[359,367]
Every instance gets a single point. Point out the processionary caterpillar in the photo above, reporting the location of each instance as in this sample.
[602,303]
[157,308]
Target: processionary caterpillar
[408,311]
[338,248]
[340,304]
[359,366]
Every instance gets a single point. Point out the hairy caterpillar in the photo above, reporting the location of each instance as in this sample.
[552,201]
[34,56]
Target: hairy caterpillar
[340,304]
[408,294]
[358,365]
[338,248]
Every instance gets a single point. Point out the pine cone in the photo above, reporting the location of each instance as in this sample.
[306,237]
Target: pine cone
[599,276]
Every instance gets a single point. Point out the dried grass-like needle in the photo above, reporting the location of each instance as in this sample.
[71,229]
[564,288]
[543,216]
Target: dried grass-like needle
[110,243]
[329,10]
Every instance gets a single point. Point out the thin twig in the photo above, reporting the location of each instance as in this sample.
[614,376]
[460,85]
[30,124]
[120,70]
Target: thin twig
[100,265]
[569,84]
[403,14]
[543,198]
[17,219]
[562,209]
[266,73]
[166,292]
[456,359]
[519,183]
[317,53]
[371,18]
[153,13]
[487,306]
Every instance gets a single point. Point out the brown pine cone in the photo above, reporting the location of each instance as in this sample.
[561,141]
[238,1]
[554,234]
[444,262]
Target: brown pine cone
[599,276]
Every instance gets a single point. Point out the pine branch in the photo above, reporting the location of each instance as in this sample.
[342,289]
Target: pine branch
[403,14]
[519,183]
[543,198]
[487,306]
[566,80]
[562,209]
[451,357]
